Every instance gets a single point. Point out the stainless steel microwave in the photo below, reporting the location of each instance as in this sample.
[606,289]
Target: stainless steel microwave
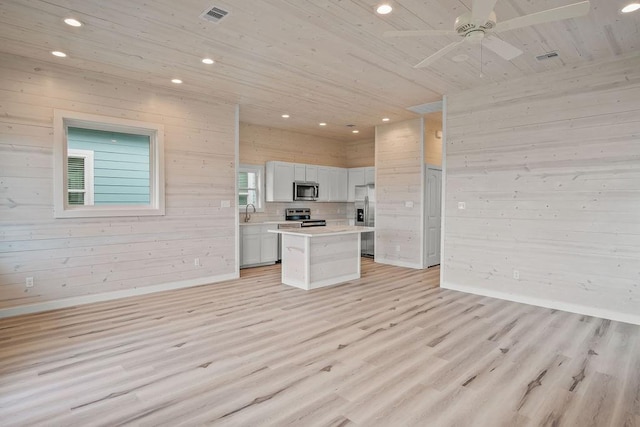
[303,190]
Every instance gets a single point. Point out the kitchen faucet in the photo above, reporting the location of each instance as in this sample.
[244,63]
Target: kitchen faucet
[247,217]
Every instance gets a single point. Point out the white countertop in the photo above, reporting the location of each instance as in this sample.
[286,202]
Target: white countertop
[285,222]
[329,230]
[264,222]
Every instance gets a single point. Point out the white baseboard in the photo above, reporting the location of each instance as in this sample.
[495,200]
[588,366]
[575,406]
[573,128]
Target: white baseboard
[547,303]
[108,296]
[397,263]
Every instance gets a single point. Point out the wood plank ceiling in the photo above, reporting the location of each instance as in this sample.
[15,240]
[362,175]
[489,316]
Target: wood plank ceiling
[319,61]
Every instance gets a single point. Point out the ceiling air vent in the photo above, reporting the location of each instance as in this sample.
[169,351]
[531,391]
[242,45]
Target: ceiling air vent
[547,55]
[214,14]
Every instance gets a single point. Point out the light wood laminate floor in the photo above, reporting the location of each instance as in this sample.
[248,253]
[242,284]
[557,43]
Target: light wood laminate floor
[391,349]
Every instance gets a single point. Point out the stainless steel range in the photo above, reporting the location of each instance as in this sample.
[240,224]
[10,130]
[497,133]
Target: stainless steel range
[297,218]
[301,217]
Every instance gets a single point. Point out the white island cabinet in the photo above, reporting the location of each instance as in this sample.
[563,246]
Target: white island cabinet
[320,256]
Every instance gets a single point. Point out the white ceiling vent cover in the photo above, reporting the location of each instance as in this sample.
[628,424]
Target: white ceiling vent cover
[547,55]
[214,14]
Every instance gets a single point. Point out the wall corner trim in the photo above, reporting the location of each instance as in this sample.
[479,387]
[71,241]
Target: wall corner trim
[109,296]
[546,303]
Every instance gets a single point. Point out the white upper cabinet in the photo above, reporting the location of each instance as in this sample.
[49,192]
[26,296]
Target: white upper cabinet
[359,176]
[311,173]
[300,172]
[334,184]
[339,184]
[279,181]
[370,175]
[307,173]
[324,184]
[356,177]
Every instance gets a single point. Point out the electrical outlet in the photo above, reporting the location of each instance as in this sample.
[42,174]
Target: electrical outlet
[225,203]
[516,274]
[398,248]
[462,205]
[29,282]
[196,262]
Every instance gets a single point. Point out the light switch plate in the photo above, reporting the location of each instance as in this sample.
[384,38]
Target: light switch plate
[408,204]
[462,205]
[225,203]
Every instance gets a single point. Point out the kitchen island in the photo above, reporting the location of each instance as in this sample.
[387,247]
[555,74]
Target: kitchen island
[314,257]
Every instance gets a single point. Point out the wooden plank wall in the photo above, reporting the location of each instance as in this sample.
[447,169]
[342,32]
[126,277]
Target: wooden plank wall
[549,169]
[260,144]
[80,257]
[361,153]
[399,170]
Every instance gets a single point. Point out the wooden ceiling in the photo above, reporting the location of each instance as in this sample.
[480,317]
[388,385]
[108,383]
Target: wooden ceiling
[319,61]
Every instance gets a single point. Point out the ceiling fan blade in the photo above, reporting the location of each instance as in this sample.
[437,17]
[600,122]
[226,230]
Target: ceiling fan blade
[481,10]
[501,47]
[439,54]
[559,13]
[418,33]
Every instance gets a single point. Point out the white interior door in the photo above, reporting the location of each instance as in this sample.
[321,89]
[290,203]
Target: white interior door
[434,221]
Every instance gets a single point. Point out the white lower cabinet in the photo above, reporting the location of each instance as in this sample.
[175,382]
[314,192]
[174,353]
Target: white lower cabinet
[257,245]
[268,246]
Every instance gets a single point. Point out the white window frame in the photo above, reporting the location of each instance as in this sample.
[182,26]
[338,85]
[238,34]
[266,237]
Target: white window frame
[259,171]
[62,120]
[87,155]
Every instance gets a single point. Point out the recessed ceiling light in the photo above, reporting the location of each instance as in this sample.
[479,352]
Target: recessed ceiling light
[460,58]
[176,81]
[383,9]
[322,124]
[631,7]
[355,131]
[208,61]
[59,54]
[73,22]
[285,116]
[386,119]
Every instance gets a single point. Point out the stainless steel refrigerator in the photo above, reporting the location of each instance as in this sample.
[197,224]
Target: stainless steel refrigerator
[366,215]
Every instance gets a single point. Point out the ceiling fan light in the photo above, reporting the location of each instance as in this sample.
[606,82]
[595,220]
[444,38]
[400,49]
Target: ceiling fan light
[384,9]
[631,7]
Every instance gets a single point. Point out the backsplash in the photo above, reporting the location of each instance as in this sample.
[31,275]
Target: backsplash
[275,211]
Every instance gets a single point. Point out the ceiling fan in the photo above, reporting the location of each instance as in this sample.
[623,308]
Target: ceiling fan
[479,25]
